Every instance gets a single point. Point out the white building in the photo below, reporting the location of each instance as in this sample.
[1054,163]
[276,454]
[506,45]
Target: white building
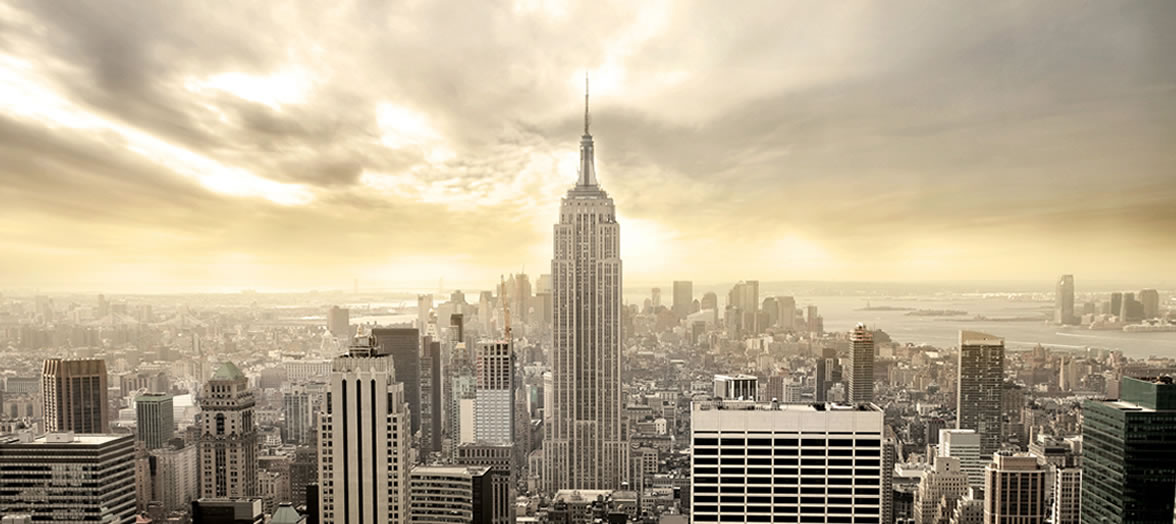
[494,393]
[964,444]
[364,440]
[944,481]
[774,462]
[737,387]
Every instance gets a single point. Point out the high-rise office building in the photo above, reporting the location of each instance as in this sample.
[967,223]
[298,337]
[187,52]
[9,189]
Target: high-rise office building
[499,458]
[786,313]
[300,404]
[1150,300]
[944,481]
[494,393]
[404,346]
[63,477]
[364,441]
[175,476]
[1129,453]
[431,408]
[1116,302]
[860,379]
[74,396]
[451,494]
[154,419]
[964,446]
[339,321]
[1131,310]
[683,298]
[586,445]
[980,388]
[228,444]
[655,298]
[1067,488]
[786,463]
[828,373]
[424,307]
[1064,301]
[1014,490]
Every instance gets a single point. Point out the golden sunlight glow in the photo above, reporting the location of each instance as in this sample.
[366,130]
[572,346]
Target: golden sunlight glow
[274,90]
[31,98]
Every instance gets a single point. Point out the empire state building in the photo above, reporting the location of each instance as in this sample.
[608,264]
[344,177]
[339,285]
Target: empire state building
[585,446]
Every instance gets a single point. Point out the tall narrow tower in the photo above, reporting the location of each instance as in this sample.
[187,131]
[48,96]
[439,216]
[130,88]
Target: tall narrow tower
[981,385]
[861,366]
[585,446]
[228,436]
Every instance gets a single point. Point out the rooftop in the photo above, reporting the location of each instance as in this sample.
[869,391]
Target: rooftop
[66,438]
[750,405]
[976,338]
[228,371]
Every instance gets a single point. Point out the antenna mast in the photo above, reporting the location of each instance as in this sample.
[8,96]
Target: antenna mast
[504,297]
[586,117]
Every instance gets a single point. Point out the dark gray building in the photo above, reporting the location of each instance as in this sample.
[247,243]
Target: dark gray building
[404,345]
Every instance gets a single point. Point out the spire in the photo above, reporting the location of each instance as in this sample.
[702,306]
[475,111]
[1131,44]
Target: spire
[587,162]
[586,117]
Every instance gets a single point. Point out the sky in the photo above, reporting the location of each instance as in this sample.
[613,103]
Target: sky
[206,146]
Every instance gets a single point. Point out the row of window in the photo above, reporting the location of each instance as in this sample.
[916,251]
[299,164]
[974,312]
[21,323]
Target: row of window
[708,484]
[790,442]
[804,519]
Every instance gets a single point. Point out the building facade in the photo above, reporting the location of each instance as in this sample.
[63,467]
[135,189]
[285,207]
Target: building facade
[404,346]
[494,393]
[364,440]
[1129,453]
[154,419]
[770,462]
[1014,490]
[980,388]
[228,445]
[859,386]
[450,495]
[585,446]
[74,396]
[92,478]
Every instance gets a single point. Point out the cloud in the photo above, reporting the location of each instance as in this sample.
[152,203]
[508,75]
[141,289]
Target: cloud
[817,140]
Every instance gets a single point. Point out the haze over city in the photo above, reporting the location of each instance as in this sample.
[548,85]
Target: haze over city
[159,147]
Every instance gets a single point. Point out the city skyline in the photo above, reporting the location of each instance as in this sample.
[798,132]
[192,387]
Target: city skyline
[188,164]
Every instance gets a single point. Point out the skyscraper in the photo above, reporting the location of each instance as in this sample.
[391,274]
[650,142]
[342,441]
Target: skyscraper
[860,383]
[828,373]
[1129,453]
[299,405]
[1014,490]
[786,463]
[339,321]
[365,444]
[154,422]
[980,389]
[424,306]
[228,444]
[1064,301]
[1150,299]
[61,477]
[683,297]
[586,446]
[431,386]
[404,346]
[74,396]
[786,313]
[494,393]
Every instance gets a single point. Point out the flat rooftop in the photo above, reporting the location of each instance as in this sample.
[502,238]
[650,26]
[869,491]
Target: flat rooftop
[748,405]
[65,438]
